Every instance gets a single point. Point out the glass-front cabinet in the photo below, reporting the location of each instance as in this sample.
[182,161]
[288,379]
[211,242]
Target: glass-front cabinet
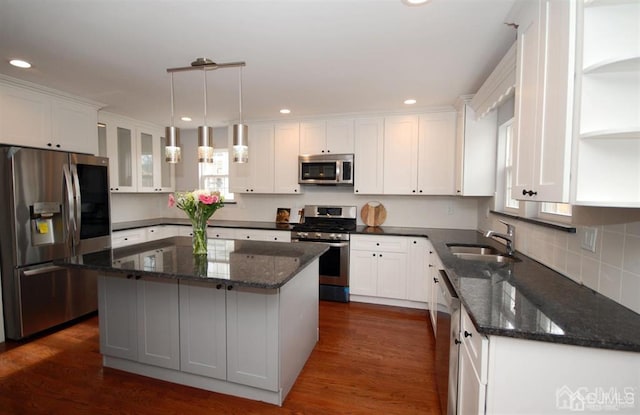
[135,152]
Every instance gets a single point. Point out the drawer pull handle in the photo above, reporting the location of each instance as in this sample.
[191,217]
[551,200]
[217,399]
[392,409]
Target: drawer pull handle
[467,334]
[456,341]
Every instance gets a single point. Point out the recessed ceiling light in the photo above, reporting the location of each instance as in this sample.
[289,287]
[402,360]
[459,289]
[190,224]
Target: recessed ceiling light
[415,2]
[285,111]
[18,63]
[410,101]
[186,118]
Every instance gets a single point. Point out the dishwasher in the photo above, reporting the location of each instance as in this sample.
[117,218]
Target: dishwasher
[447,345]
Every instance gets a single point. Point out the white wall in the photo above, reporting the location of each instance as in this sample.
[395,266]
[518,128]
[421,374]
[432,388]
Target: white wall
[613,270]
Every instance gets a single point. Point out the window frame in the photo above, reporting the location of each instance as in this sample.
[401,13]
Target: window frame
[203,175]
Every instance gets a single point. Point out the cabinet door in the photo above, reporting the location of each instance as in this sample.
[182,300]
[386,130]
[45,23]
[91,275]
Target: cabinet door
[25,117]
[418,276]
[203,341]
[368,160]
[363,273]
[340,136]
[436,153]
[401,155]
[147,161]
[313,137]
[121,150]
[392,275]
[74,126]
[118,317]
[526,103]
[471,392]
[256,176]
[285,173]
[158,325]
[252,337]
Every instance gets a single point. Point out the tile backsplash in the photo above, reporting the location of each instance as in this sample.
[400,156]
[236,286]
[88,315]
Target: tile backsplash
[612,270]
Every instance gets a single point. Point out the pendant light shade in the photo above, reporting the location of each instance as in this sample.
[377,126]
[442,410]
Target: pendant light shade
[205,144]
[240,133]
[172,153]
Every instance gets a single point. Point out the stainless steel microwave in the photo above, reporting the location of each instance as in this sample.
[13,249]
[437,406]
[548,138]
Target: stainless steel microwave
[334,169]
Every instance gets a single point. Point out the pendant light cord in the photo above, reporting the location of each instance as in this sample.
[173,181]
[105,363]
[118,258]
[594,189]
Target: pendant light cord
[205,96]
[172,116]
[240,88]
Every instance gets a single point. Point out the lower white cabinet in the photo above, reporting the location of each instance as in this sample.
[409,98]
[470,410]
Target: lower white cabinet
[117,302]
[389,270]
[472,368]
[263,235]
[128,237]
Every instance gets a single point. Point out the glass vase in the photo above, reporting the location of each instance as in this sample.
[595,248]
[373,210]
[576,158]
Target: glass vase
[199,237]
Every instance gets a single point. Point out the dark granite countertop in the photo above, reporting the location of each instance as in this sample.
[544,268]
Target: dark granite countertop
[255,264]
[524,299]
[121,226]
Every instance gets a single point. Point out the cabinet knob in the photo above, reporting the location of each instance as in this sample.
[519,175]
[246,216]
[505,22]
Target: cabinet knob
[413,191]
[129,276]
[57,145]
[420,190]
[456,341]
[356,190]
[415,242]
[526,192]
[435,280]
[380,255]
[275,238]
[49,144]
[430,266]
[374,255]
[218,286]
[295,190]
[458,191]
[467,334]
[230,287]
[377,243]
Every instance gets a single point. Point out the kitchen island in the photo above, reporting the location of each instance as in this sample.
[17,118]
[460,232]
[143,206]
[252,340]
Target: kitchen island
[242,321]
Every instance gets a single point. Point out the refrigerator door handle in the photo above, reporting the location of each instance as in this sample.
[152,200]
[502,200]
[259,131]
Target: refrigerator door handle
[68,187]
[41,270]
[77,205]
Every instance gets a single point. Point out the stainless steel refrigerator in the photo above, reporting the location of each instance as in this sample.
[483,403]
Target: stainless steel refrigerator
[53,205]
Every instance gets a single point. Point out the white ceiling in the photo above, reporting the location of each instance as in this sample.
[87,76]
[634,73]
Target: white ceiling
[316,57]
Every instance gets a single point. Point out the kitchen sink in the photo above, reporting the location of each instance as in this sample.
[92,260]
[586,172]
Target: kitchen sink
[486,257]
[473,249]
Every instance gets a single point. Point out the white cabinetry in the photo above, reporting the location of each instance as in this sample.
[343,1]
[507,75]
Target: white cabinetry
[607,150]
[401,155]
[378,266]
[419,154]
[135,152]
[263,235]
[37,119]
[118,317]
[128,237]
[436,301]
[273,161]
[476,142]
[369,156]
[332,136]
[389,270]
[472,377]
[544,100]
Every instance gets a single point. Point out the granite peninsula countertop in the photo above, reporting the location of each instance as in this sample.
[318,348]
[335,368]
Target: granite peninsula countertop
[523,299]
[266,265]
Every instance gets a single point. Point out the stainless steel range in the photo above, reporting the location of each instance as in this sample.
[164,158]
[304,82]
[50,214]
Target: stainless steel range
[329,225]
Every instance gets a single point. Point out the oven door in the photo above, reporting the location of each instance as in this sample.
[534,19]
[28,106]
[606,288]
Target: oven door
[334,264]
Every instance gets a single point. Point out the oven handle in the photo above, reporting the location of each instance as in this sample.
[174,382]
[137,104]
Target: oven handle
[331,244]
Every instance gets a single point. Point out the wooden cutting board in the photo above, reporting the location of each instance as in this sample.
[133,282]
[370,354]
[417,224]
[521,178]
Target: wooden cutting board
[373,214]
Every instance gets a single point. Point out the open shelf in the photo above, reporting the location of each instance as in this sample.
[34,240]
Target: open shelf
[612,134]
[622,64]
[611,34]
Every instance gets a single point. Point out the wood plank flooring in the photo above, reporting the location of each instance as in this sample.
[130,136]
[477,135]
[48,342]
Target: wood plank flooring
[369,360]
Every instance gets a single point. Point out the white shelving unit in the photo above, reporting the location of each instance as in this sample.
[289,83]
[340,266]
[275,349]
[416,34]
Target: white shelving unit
[607,163]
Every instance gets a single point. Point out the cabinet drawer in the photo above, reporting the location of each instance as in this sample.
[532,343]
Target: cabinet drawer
[263,235]
[379,243]
[221,233]
[476,345]
[128,237]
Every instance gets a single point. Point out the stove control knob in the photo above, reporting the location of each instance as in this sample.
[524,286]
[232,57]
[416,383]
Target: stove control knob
[333,236]
[318,235]
[302,234]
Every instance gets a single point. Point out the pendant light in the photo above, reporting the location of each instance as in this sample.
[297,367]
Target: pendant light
[240,133]
[205,133]
[172,152]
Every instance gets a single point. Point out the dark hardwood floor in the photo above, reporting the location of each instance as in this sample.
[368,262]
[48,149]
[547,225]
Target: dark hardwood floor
[369,360]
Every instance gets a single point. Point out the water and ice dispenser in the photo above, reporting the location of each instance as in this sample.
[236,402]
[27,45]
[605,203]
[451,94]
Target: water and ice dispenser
[46,223]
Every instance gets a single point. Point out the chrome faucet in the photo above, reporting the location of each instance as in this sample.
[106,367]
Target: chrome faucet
[509,237]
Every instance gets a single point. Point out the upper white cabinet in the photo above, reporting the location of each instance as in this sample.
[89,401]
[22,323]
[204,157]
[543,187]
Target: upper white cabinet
[544,99]
[322,137]
[607,149]
[476,140]
[419,154]
[401,155]
[136,156]
[369,156]
[436,153]
[273,161]
[287,144]
[38,119]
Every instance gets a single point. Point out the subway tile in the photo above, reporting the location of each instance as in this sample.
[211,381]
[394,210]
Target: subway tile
[633,228]
[631,291]
[590,270]
[617,228]
[612,248]
[610,283]
[559,259]
[573,243]
[631,261]
[573,266]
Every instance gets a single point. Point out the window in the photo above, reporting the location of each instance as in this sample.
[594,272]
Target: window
[557,209]
[506,136]
[215,176]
